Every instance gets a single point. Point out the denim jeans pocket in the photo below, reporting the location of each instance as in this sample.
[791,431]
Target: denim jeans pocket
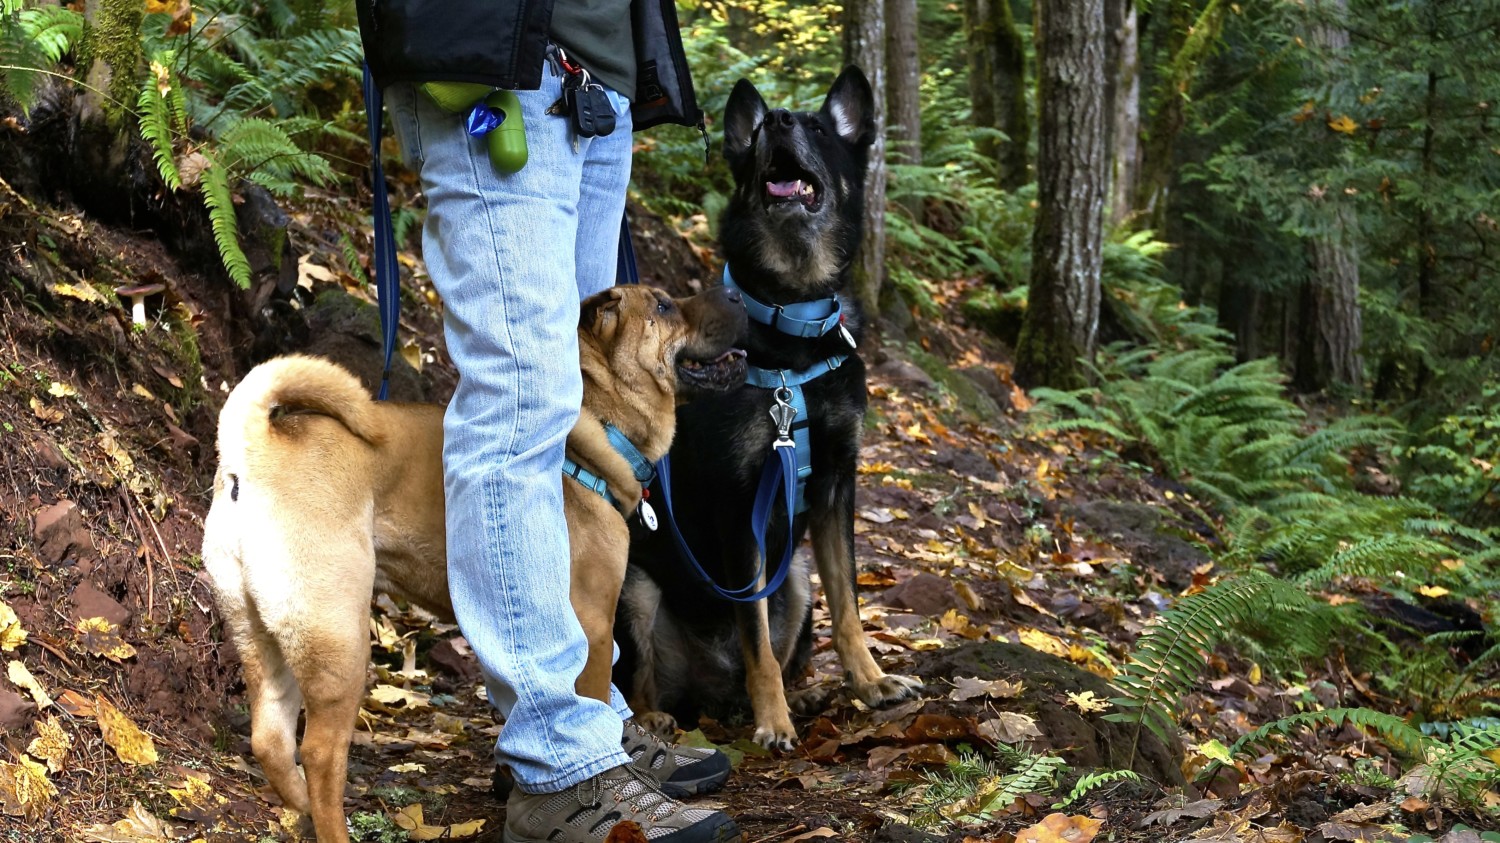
[401,102]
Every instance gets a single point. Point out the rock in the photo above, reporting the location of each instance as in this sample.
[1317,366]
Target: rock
[925,594]
[59,533]
[16,711]
[1138,529]
[904,373]
[1085,740]
[989,383]
[347,331]
[48,454]
[87,601]
[893,832]
[446,655]
[968,463]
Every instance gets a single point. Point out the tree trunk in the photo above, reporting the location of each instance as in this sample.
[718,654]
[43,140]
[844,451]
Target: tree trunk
[904,88]
[1332,331]
[1124,71]
[1188,43]
[981,93]
[1062,315]
[112,40]
[1008,70]
[864,45]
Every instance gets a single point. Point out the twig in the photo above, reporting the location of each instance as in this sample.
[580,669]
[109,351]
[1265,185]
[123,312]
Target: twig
[51,648]
[780,834]
[147,553]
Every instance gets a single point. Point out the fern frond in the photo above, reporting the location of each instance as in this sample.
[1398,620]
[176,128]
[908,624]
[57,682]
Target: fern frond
[1036,774]
[1397,733]
[220,201]
[1093,780]
[155,119]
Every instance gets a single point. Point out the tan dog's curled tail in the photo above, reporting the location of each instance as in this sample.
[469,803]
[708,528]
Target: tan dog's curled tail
[293,383]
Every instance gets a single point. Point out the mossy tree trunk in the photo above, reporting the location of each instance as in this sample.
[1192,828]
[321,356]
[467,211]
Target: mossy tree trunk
[1062,315]
[864,45]
[112,47]
[904,87]
[997,86]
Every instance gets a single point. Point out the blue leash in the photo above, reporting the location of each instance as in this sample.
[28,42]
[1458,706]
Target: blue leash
[387,277]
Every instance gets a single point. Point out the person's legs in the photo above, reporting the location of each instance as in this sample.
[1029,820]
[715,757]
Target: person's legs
[500,251]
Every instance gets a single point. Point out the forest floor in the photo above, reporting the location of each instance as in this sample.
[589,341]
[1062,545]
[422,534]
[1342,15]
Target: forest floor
[1011,570]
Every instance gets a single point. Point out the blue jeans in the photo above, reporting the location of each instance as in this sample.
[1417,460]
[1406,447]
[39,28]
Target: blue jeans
[512,256]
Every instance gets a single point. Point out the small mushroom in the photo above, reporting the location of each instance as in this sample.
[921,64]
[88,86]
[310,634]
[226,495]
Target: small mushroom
[137,294]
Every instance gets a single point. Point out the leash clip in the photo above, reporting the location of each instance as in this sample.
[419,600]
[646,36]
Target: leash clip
[782,415]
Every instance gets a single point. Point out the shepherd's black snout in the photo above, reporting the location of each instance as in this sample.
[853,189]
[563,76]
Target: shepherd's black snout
[780,119]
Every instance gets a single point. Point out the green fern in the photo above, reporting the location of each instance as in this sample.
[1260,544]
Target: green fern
[220,202]
[1093,780]
[156,118]
[1398,734]
[1169,657]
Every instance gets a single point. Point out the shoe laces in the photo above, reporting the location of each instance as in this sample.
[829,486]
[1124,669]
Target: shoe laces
[630,786]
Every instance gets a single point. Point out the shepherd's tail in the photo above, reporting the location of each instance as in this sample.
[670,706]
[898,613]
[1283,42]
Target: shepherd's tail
[296,383]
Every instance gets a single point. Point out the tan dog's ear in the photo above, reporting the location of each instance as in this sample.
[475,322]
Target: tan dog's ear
[600,313]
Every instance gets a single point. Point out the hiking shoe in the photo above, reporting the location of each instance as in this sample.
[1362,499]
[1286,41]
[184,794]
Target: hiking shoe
[681,771]
[585,813]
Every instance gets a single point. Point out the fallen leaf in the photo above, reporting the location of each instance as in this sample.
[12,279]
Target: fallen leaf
[1008,727]
[82,292]
[137,389]
[1061,827]
[25,789]
[626,831]
[75,704]
[1088,703]
[58,389]
[966,594]
[1217,751]
[389,696]
[1362,813]
[127,740]
[138,826]
[11,633]
[968,687]
[309,272]
[816,833]
[877,516]
[408,767]
[51,743]
[168,375]
[1432,591]
[1174,812]
[99,637]
[22,678]
[1043,642]
[47,415]
[193,790]
[411,819]
[121,458]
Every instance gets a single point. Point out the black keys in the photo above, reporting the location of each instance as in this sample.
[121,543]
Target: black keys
[586,104]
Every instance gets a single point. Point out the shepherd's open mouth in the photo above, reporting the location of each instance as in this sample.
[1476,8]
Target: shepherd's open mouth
[724,372]
[788,183]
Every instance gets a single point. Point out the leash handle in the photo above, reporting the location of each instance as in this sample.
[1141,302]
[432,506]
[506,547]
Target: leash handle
[387,278]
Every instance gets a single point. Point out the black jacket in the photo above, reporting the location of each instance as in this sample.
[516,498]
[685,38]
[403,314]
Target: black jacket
[503,43]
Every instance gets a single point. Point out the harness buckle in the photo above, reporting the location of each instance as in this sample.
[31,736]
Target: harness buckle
[782,414]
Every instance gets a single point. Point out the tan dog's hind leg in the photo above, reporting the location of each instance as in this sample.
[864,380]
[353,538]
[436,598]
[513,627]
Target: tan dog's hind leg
[333,682]
[773,719]
[833,548]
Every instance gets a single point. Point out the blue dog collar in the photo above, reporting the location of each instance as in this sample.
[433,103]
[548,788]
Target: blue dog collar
[643,470]
[799,319]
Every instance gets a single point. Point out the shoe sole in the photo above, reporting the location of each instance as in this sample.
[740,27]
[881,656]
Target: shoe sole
[729,832]
[698,787]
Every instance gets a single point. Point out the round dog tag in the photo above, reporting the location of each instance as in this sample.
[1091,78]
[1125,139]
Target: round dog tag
[848,337]
[648,515]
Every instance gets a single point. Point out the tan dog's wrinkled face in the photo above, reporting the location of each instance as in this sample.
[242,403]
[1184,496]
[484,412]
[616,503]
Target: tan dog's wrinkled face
[689,342]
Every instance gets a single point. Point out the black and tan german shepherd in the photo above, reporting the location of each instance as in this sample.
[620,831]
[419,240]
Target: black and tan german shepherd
[789,233]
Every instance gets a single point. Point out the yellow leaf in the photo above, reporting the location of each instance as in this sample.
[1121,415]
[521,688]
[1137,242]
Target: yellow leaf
[1343,125]
[158,7]
[1432,591]
[128,741]
[1087,702]
[390,695]
[24,788]
[22,678]
[58,389]
[411,819]
[876,468]
[1038,640]
[122,460]
[192,791]
[82,292]
[99,637]
[11,633]
[51,743]
[408,767]
[48,415]
[1061,828]
[923,644]
[1255,674]
[142,391]
[1216,751]
[138,826]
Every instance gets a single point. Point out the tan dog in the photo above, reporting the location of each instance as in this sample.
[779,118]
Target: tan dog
[323,497]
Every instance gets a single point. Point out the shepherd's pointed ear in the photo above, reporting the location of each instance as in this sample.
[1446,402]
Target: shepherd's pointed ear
[742,117]
[851,107]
